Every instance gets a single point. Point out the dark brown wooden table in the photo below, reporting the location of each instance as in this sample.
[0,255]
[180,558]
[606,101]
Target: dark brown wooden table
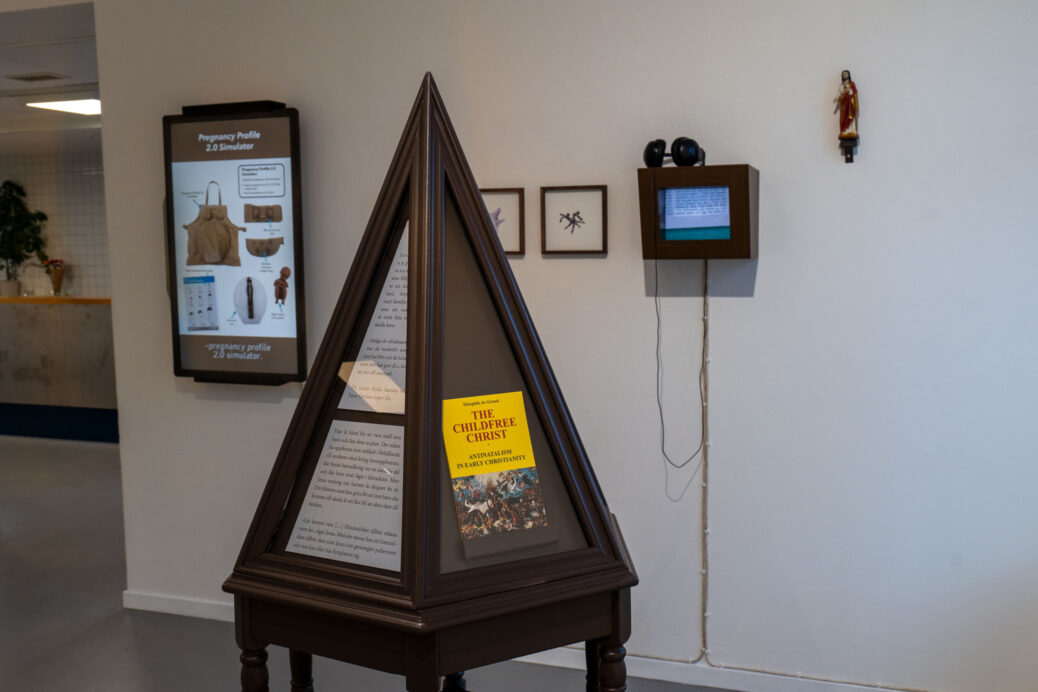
[602,621]
[443,610]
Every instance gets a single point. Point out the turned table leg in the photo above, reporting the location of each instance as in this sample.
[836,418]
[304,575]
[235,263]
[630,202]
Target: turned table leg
[612,672]
[302,666]
[423,683]
[254,676]
[591,660]
[454,682]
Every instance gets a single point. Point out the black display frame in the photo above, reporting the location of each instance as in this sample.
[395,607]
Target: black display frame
[238,111]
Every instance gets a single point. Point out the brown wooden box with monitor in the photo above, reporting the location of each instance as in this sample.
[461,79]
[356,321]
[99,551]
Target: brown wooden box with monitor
[707,212]
[432,508]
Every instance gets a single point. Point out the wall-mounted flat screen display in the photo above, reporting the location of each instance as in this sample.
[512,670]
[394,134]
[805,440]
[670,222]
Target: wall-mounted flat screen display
[234,240]
[695,213]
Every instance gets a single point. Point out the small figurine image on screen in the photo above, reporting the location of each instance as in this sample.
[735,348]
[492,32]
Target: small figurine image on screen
[695,213]
[281,287]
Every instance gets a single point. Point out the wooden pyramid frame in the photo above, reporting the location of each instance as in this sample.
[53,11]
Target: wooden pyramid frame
[422,622]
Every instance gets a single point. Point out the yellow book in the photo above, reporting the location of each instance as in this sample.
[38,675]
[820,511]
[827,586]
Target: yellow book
[492,467]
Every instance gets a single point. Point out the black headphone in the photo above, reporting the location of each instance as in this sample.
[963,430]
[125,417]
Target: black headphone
[684,152]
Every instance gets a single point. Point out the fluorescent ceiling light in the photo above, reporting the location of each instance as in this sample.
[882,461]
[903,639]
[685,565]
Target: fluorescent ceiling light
[80,106]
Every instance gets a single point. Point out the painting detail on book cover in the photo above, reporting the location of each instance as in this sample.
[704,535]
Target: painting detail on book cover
[499,502]
[492,468]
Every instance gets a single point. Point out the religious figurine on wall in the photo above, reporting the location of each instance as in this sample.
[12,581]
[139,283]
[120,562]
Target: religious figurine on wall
[847,106]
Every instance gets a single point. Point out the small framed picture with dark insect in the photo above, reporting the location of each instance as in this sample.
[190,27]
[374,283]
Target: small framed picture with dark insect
[573,220]
[507,208]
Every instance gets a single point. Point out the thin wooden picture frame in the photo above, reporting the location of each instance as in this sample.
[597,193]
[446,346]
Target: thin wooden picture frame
[577,211]
[511,249]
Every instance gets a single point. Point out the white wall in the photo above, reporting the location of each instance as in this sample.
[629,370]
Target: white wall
[872,374]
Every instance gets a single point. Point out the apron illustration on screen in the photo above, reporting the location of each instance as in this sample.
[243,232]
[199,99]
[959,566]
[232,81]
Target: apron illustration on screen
[212,238]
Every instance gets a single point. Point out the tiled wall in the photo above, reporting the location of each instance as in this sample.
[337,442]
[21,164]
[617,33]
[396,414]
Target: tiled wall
[69,189]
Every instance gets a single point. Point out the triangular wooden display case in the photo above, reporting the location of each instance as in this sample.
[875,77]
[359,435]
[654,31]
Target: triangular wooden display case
[431,604]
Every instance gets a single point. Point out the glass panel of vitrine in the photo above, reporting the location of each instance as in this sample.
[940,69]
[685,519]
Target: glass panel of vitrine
[352,509]
[346,505]
[375,381]
[502,495]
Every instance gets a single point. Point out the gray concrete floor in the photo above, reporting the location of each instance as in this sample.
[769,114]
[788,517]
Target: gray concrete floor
[62,573]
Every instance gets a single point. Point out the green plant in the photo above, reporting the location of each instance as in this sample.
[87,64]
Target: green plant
[21,230]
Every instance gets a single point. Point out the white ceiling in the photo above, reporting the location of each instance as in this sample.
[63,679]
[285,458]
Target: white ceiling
[58,40]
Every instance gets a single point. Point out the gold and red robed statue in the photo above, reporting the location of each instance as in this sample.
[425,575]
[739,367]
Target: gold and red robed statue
[846,103]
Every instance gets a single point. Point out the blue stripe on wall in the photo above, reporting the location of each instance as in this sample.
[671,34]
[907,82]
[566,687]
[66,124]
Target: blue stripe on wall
[60,422]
